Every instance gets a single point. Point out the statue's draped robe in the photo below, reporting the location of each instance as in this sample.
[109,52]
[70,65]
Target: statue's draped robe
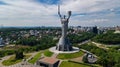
[64,44]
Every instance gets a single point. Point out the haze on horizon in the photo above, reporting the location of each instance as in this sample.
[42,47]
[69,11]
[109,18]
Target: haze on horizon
[44,12]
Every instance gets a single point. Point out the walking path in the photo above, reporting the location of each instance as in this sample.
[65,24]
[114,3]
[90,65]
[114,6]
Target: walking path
[84,42]
[78,59]
[32,55]
[88,52]
[55,55]
[100,45]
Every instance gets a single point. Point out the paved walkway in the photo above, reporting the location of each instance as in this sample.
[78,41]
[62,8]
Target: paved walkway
[55,55]
[84,42]
[53,49]
[100,45]
[32,55]
[78,59]
[59,63]
[88,52]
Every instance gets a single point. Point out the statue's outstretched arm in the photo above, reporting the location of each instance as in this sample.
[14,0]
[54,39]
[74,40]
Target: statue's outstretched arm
[69,14]
[59,12]
[59,15]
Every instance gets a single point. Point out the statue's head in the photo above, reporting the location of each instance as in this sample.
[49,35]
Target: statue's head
[64,16]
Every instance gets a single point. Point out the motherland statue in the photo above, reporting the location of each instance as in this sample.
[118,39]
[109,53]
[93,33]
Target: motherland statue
[64,44]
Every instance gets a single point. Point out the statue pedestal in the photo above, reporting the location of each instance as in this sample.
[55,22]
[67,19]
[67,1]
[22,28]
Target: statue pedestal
[74,50]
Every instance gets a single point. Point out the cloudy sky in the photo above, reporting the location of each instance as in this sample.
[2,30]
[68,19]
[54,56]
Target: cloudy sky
[44,12]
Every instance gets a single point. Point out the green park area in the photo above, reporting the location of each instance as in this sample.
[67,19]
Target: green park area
[48,53]
[12,60]
[109,38]
[35,58]
[72,64]
[71,55]
[106,57]
[77,64]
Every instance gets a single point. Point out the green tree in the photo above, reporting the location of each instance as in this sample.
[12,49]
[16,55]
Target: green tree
[19,54]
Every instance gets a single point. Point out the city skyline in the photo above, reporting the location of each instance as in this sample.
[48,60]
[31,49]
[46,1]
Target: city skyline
[44,12]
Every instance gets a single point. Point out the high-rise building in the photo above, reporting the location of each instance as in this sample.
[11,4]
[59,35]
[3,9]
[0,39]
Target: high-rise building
[1,42]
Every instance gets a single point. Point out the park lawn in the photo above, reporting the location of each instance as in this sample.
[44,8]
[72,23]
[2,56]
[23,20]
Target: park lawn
[35,58]
[97,65]
[48,53]
[71,55]
[27,56]
[12,60]
[72,64]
